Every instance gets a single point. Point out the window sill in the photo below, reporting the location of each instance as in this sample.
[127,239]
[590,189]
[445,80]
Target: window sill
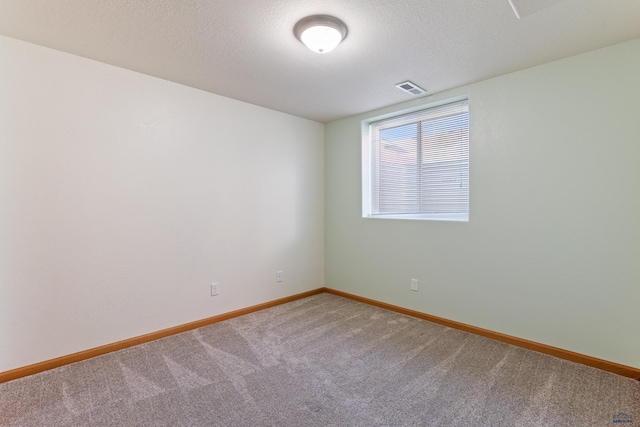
[428,217]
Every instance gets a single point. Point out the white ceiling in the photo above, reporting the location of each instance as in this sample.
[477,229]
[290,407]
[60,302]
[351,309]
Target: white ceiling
[245,49]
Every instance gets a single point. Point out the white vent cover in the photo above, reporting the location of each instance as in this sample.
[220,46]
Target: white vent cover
[410,88]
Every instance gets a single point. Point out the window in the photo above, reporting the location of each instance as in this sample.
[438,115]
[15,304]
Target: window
[416,165]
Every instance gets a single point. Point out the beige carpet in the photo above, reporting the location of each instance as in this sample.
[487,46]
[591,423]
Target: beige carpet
[322,361]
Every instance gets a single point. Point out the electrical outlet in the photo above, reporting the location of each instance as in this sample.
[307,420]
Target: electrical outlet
[414,285]
[215,289]
[278,276]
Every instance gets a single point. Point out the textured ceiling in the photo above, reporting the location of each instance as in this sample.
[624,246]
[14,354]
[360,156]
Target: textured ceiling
[245,49]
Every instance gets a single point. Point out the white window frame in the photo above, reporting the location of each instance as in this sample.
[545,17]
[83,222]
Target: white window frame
[367,190]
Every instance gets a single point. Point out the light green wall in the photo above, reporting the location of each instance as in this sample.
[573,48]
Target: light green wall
[552,249]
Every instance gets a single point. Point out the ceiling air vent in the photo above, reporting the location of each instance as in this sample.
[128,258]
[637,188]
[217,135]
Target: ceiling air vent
[410,88]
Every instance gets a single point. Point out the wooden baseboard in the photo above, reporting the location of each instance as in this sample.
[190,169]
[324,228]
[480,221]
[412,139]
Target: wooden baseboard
[604,365]
[108,348]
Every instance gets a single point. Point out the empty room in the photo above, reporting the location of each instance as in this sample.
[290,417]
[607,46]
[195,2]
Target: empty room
[331,213]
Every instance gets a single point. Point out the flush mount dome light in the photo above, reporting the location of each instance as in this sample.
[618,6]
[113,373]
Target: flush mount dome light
[320,33]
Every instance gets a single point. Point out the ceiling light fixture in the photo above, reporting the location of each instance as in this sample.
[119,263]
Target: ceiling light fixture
[320,33]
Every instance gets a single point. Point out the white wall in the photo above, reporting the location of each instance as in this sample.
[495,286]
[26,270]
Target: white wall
[552,249]
[122,197]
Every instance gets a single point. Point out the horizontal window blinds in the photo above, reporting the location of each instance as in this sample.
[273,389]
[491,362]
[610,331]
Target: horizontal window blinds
[420,162]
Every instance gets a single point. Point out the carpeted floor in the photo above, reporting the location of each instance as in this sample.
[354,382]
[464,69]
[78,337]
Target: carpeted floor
[322,361]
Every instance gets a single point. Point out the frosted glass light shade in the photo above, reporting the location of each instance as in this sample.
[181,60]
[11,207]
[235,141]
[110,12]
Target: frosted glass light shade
[320,33]
[321,39]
